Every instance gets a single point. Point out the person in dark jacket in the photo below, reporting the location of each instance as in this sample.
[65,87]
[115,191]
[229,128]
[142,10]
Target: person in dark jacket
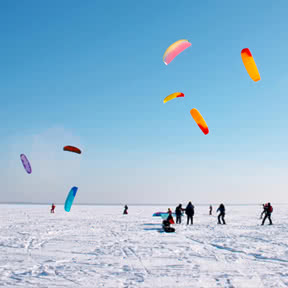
[210,210]
[221,215]
[190,213]
[166,226]
[125,210]
[178,212]
[268,210]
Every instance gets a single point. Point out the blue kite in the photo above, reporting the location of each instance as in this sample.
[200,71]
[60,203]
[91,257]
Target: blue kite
[70,198]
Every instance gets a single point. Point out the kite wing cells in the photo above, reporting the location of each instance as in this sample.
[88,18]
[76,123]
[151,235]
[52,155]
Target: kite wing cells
[70,198]
[174,50]
[199,120]
[172,96]
[250,64]
[72,149]
[26,163]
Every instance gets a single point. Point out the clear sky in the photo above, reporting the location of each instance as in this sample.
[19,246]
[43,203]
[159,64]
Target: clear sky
[90,74]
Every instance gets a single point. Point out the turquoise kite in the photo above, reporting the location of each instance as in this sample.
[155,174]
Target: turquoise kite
[70,198]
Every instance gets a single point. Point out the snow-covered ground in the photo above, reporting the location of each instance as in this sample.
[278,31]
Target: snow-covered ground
[97,246]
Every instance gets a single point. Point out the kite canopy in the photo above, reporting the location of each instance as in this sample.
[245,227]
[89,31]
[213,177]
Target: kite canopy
[172,96]
[250,64]
[161,214]
[157,214]
[26,163]
[174,50]
[70,198]
[199,120]
[72,149]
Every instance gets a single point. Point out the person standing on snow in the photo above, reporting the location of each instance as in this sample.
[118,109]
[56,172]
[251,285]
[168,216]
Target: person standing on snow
[178,212]
[190,213]
[221,209]
[52,208]
[267,210]
[125,210]
[210,210]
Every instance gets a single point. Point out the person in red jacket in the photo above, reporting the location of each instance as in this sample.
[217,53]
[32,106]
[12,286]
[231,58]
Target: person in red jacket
[170,217]
[166,223]
[52,208]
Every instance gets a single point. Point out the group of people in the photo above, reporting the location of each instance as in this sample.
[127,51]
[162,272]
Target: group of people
[189,211]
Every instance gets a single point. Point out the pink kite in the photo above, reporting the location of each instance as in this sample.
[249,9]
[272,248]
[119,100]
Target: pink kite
[174,50]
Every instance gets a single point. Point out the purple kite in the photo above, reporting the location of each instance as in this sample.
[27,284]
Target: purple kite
[26,163]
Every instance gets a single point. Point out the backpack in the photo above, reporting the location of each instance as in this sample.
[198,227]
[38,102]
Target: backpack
[270,209]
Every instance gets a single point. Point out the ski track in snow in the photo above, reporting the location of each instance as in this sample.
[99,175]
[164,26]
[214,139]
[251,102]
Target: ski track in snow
[97,246]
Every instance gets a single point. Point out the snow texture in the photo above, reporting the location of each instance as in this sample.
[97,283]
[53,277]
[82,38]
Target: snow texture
[97,246]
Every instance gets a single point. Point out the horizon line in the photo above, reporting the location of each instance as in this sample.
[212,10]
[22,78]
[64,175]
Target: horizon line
[132,204]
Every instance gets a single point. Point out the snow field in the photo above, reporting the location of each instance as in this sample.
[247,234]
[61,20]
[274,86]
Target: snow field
[97,246]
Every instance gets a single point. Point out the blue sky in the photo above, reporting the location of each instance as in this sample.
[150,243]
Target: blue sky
[91,74]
